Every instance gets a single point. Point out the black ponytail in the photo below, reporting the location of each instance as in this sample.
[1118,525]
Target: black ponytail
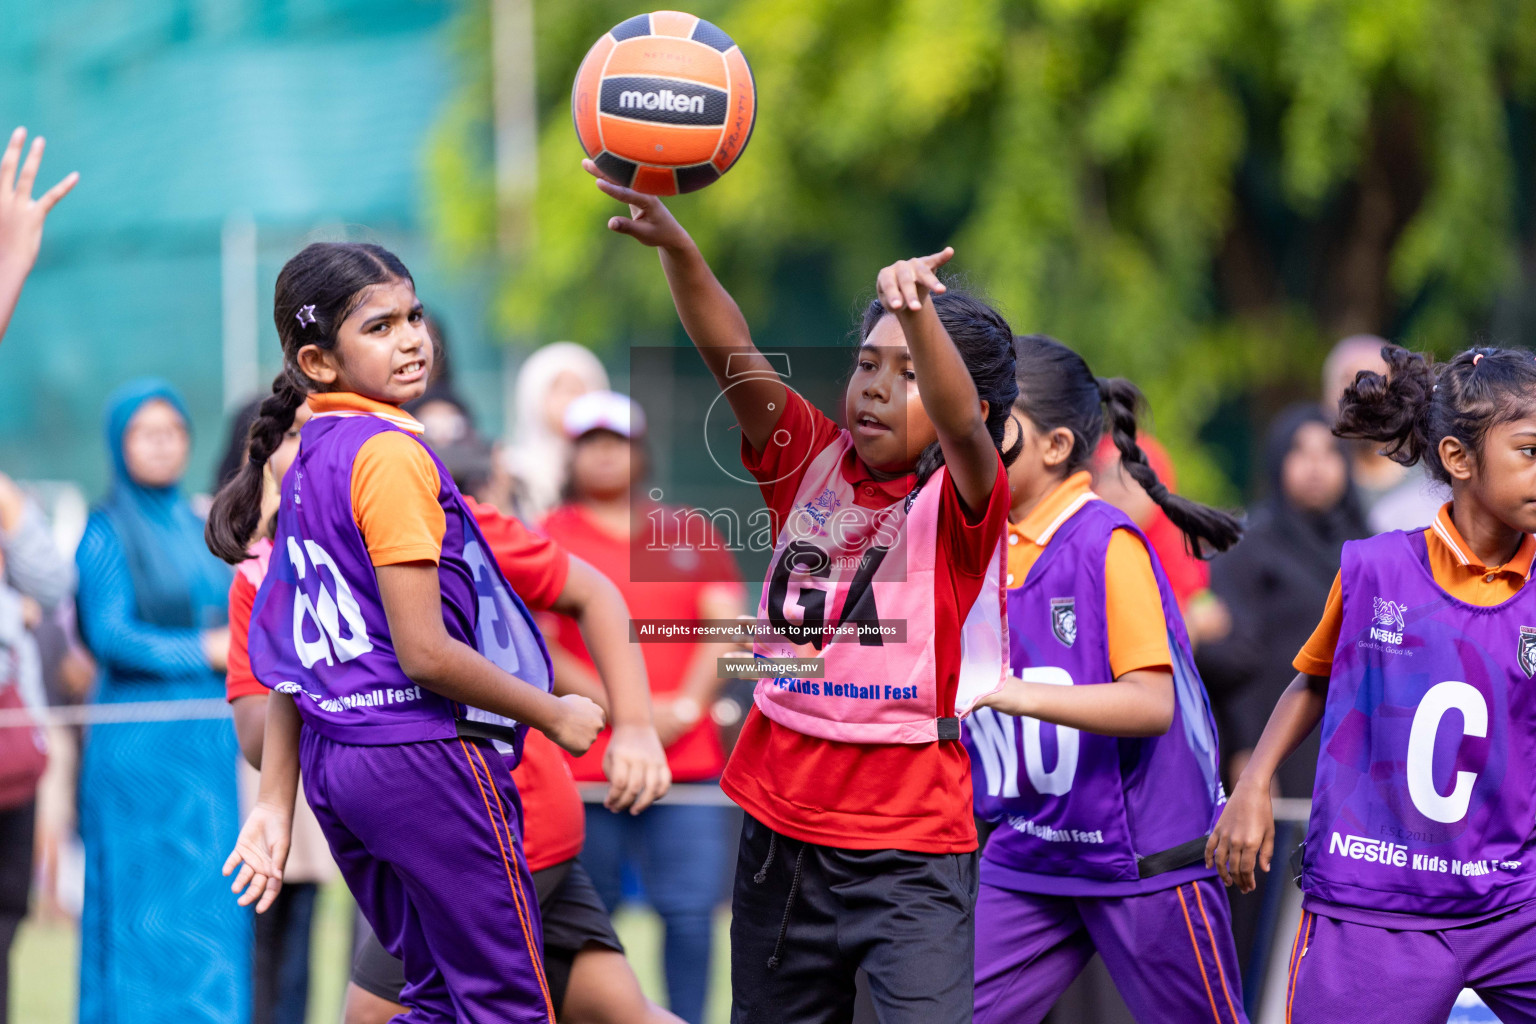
[1418,402]
[316,291]
[985,342]
[1056,389]
[236,511]
[1201,525]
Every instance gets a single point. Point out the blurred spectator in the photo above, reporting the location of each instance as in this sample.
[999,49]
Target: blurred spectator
[450,430]
[680,852]
[539,454]
[1391,496]
[1189,576]
[161,939]
[280,978]
[443,413]
[36,580]
[1276,581]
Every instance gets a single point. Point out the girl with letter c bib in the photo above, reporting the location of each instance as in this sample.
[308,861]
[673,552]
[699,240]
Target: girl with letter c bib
[385,628]
[1103,794]
[1419,866]
[858,849]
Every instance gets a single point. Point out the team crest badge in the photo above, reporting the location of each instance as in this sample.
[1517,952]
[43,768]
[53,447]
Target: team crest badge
[1388,613]
[1527,652]
[1064,620]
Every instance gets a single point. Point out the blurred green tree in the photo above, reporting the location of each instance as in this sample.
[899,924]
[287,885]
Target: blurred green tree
[1198,194]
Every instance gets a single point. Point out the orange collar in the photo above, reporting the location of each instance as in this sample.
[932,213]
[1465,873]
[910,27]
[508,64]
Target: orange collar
[345,403]
[1450,542]
[1054,509]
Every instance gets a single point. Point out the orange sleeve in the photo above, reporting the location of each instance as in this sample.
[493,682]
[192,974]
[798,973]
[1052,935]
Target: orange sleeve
[1133,607]
[1316,655]
[395,489]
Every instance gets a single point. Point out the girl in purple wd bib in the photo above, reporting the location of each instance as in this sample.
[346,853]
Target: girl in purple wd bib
[1419,867]
[1103,795]
[385,628]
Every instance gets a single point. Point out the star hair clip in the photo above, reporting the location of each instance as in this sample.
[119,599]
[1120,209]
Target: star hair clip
[305,315]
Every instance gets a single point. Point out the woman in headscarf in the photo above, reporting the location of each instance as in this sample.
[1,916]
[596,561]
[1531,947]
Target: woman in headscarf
[1274,581]
[539,454]
[160,937]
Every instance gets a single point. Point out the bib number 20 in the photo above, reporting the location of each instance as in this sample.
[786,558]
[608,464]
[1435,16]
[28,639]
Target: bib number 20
[342,633]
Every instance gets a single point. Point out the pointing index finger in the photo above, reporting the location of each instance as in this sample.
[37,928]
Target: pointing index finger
[939,258]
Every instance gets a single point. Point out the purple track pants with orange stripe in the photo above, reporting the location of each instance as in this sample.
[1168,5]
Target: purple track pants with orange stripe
[1170,953]
[427,836]
[1347,973]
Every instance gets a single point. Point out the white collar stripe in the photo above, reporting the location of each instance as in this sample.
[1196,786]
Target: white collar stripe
[1445,535]
[1066,513]
[403,422]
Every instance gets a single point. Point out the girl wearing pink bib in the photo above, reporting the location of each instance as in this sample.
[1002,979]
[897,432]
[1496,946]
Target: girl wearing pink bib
[885,599]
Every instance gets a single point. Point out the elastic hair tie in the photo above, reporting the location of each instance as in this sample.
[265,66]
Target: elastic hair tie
[1475,359]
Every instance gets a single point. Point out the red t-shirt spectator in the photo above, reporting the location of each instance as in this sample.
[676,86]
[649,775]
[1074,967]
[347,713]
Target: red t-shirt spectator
[554,820]
[697,754]
[861,796]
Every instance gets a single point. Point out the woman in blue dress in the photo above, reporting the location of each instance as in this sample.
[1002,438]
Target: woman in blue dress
[160,937]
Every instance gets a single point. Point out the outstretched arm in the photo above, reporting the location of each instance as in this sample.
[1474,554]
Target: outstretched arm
[429,656]
[949,395]
[709,314]
[21,218]
[1244,838]
[261,850]
[1139,703]
[634,762]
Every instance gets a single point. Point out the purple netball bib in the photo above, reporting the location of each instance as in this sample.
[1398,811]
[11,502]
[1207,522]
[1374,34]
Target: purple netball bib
[318,628]
[1079,813]
[1423,803]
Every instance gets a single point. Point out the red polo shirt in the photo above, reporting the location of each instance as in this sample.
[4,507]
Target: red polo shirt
[868,796]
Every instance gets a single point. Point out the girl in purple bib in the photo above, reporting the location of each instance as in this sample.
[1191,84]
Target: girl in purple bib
[386,630]
[1419,866]
[1097,761]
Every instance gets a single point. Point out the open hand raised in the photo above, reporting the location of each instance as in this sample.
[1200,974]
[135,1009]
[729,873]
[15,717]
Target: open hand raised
[21,216]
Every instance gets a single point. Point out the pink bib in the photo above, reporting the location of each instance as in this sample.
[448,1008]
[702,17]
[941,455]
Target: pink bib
[841,580]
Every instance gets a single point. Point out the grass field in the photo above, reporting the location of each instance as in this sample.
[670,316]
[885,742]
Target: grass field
[44,963]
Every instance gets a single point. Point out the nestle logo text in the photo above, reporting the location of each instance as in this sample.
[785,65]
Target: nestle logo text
[1372,851]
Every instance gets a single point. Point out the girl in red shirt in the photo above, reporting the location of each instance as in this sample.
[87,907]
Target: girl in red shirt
[858,849]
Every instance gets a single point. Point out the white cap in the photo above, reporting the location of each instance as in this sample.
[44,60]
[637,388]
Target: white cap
[604,410]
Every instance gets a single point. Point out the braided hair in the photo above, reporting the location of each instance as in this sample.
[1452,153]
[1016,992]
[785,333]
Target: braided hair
[1418,402]
[316,291]
[1057,389]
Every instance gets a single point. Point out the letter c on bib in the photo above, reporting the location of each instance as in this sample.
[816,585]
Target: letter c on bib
[1443,697]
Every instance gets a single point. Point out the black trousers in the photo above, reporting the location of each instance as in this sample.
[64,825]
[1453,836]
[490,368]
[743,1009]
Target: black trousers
[16,824]
[806,918]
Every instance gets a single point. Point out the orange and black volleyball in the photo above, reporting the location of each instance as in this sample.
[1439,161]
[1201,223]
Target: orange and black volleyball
[664,103]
